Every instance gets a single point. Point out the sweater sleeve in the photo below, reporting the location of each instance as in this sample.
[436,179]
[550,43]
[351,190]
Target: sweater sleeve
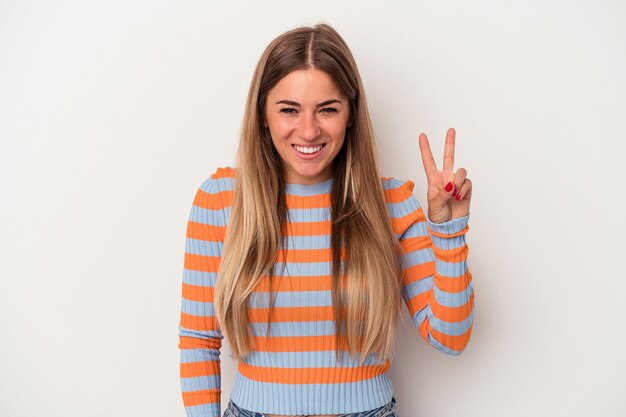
[436,281]
[200,337]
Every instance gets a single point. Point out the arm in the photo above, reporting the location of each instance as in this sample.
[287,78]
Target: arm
[436,282]
[200,338]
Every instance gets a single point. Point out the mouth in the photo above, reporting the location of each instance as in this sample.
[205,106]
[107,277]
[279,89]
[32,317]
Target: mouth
[308,150]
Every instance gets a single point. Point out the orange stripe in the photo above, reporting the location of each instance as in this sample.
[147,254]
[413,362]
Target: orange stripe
[447,235]
[186,342]
[452,314]
[287,283]
[198,293]
[206,396]
[224,172]
[418,302]
[307,255]
[215,201]
[417,272]
[205,232]
[399,194]
[457,254]
[201,263]
[401,224]
[312,375]
[307,228]
[412,244]
[453,342]
[198,322]
[204,368]
[453,284]
[306,202]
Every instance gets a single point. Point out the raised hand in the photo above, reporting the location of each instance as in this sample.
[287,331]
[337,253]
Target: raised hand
[449,193]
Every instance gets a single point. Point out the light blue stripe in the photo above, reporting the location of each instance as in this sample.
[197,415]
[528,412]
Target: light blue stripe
[292,299]
[200,383]
[451,226]
[214,186]
[308,242]
[448,242]
[318,188]
[417,257]
[200,334]
[401,209]
[301,399]
[450,328]
[453,299]
[420,316]
[197,308]
[415,230]
[393,183]
[204,410]
[209,217]
[203,247]
[291,329]
[417,287]
[305,269]
[318,359]
[309,215]
[199,278]
[199,355]
[450,269]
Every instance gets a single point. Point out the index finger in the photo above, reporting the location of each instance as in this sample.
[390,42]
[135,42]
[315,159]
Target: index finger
[427,156]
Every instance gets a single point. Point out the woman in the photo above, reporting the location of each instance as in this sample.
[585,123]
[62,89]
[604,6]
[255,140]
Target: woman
[316,252]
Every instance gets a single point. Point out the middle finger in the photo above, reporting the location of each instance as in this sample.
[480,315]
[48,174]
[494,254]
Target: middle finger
[448,151]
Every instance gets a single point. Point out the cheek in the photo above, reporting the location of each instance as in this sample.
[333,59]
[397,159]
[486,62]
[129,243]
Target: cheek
[281,127]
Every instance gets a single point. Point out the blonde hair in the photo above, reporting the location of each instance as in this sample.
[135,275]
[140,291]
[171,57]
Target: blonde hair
[366,294]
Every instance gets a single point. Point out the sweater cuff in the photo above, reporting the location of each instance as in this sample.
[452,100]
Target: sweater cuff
[451,228]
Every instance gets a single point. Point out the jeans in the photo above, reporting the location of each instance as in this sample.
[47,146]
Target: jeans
[387,410]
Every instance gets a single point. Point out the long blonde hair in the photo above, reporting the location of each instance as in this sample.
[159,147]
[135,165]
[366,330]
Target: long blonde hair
[366,293]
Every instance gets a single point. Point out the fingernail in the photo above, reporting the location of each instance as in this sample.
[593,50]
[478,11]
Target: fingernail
[458,196]
[449,187]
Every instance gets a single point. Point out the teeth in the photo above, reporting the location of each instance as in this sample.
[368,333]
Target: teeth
[307,149]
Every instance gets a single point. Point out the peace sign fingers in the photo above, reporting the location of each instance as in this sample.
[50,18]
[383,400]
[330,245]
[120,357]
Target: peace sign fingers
[430,167]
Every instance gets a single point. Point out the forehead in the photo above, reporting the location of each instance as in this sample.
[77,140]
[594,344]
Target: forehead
[306,85]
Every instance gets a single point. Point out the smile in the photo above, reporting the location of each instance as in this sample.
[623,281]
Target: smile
[308,149]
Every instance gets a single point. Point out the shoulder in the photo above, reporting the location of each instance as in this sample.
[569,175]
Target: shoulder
[398,190]
[223,179]
[215,191]
[404,209]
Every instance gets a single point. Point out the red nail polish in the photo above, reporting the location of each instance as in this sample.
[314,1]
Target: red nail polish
[449,187]
[458,196]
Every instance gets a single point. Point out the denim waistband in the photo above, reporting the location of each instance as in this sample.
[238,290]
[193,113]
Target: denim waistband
[233,410]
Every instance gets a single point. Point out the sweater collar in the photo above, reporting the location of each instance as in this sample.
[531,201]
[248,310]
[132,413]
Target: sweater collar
[323,187]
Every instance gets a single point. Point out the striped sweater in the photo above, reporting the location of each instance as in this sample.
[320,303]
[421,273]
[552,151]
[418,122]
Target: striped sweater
[295,371]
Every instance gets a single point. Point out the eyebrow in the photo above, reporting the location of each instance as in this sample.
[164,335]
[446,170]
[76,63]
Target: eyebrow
[296,104]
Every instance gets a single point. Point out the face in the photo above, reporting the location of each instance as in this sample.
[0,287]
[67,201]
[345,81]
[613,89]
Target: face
[307,117]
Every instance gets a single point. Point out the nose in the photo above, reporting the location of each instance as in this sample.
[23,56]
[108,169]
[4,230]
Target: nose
[308,128]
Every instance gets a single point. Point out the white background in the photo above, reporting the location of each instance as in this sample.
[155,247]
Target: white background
[113,113]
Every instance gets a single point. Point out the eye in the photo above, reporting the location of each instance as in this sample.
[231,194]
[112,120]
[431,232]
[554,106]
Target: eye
[288,110]
[329,110]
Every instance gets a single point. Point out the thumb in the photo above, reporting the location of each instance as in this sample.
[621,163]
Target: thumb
[442,197]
